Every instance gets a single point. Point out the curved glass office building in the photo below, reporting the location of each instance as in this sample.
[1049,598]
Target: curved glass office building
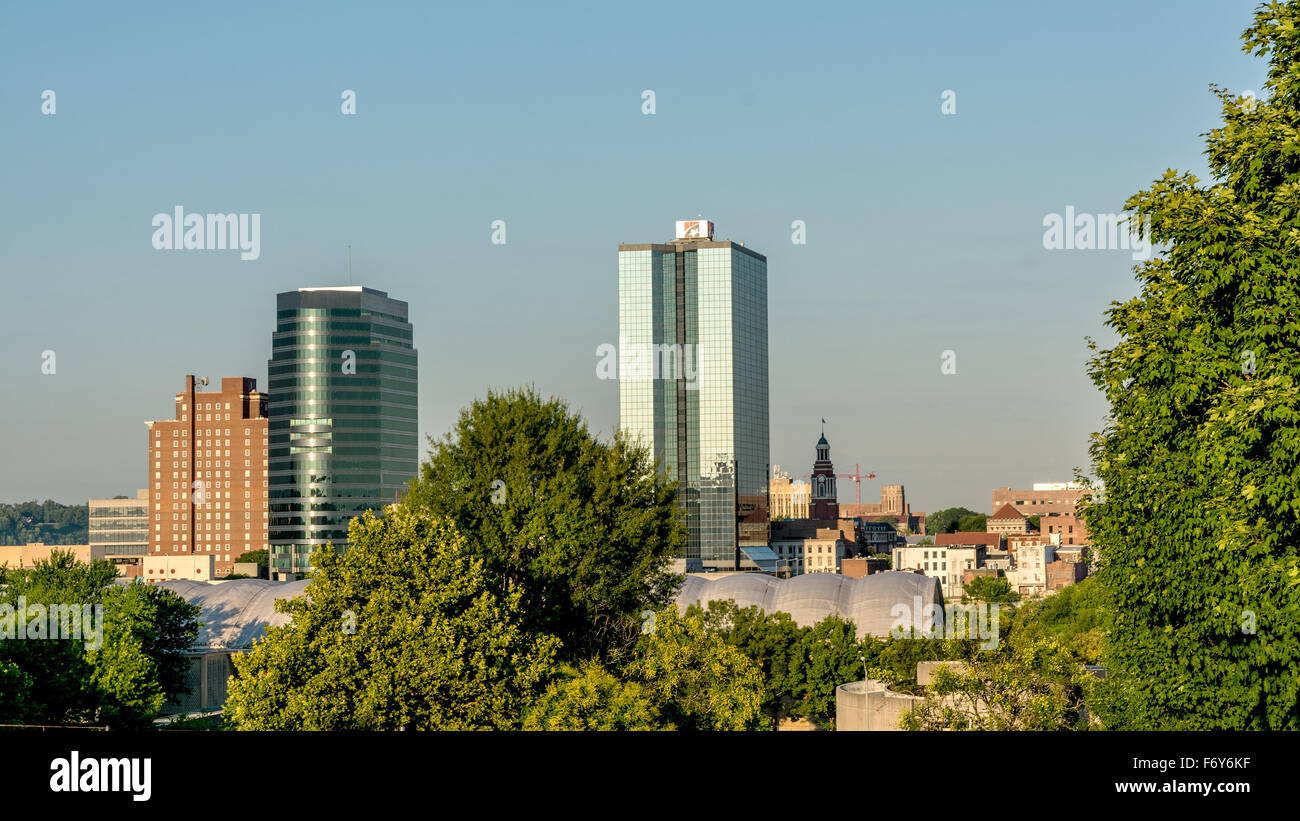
[343,415]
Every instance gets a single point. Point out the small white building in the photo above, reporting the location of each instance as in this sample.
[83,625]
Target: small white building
[188,567]
[945,563]
[1029,576]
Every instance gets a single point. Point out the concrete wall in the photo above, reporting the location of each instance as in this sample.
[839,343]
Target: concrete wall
[870,705]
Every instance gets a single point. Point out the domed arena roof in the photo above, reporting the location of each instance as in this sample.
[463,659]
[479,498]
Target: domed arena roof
[235,613]
[868,602]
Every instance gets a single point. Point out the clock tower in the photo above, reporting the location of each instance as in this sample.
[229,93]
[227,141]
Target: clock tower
[824,503]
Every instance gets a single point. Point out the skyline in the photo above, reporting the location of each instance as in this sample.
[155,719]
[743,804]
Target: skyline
[491,124]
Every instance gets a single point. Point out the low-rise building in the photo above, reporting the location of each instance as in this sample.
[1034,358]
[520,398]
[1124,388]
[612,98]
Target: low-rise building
[1007,520]
[194,567]
[858,567]
[1029,575]
[1062,573]
[944,563]
[809,546]
[26,556]
[991,541]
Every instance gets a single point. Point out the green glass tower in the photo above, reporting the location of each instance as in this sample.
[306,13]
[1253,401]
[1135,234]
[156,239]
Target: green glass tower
[693,380]
[342,415]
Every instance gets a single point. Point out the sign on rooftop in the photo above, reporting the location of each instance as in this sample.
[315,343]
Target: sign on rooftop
[694,229]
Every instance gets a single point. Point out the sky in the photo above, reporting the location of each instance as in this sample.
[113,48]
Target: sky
[923,229]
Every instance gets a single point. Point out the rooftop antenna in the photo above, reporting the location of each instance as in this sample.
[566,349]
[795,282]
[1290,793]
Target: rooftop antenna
[349,266]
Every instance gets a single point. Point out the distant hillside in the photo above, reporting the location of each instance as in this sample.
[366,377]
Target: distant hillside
[48,522]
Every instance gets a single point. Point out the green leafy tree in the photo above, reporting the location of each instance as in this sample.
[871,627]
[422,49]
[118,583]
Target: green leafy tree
[260,557]
[973,524]
[582,530]
[771,640]
[1038,687]
[700,681]
[48,522]
[893,660]
[591,698]
[829,654]
[403,631]
[1197,534]
[990,589]
[948,520]
[141,664]
[122,677]
[1071,616]
[1034,522]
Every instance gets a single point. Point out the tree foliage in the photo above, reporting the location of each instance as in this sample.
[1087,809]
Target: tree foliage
[948,520]
[591,698]
[1037,687]
[122,679]
[48,522]
[770,640]
[1199,530]
[403,631]
[700,681]
[582,530]
[990,589]
[1072,617]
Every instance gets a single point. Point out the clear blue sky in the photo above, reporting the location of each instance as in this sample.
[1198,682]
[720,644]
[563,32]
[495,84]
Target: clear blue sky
[924,231]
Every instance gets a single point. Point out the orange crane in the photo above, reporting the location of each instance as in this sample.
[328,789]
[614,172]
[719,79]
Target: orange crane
[857,476]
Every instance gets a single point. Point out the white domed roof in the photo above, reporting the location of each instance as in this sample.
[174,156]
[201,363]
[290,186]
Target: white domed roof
[868,602]
[235,613]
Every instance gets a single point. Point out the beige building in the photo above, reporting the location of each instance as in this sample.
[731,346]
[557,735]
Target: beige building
[188,567]
[1007,521]
[26,556]
[804,547]
[787,498]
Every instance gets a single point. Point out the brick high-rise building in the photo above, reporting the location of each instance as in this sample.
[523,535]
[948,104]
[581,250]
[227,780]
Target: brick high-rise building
[208,474]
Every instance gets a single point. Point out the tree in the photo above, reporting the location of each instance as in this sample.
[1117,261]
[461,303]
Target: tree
[700,681]
[1071,616]
[1038,687]
[972,524]
[582,530]
[260,557]
[590,698]
[771,640]
[48,522]
[119,673]
[1197,534]
[990,589]
[142,664]
[829,654]
[1034,522]
[947,520]
[403,631]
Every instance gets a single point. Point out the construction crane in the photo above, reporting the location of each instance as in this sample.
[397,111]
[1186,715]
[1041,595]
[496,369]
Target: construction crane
[857,476]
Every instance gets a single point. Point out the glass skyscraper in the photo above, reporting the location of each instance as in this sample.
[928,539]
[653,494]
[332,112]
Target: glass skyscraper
[693,388]
[342,415]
